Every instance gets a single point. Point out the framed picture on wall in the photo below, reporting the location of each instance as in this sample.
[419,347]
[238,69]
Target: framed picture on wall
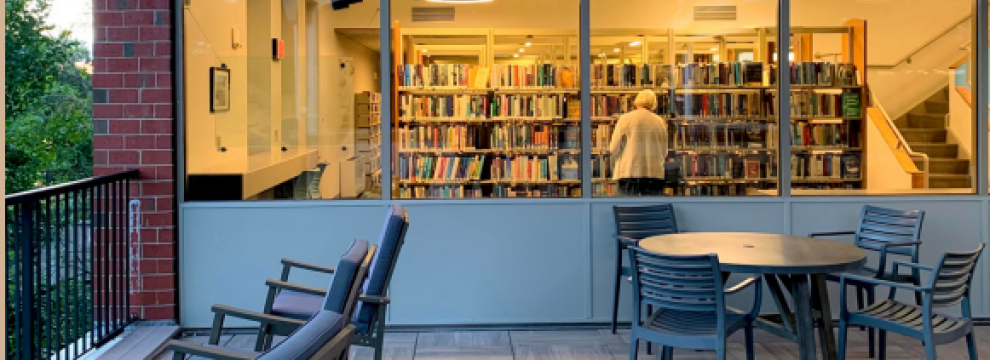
[219,89]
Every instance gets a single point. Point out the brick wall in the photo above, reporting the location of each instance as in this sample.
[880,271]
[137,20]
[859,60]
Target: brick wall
[133,125]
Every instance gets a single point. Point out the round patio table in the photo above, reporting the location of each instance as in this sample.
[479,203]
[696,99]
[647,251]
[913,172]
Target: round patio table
[794,264]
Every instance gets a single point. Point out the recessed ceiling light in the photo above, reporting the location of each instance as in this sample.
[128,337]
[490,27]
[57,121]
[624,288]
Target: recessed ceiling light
[616,50]
[529,44]
[522,50]
[424,50]
[715,49]
[515,55]
[635,43]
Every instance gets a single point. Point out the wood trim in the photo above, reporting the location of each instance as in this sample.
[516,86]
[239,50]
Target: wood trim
[959,63]
[966,94]
[805,49]
[887,132]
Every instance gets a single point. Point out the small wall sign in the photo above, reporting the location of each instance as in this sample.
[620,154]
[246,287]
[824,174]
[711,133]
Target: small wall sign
[219,89]
[278,49]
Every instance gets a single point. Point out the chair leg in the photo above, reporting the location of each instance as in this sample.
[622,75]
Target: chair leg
[843,330]
[749,343]
[667,353]
[615,299]
[971,344]
[930,350]
[649,345]
[871,298]
[882,351]
[860,305]
[633,348]
[720,350]
[917,295]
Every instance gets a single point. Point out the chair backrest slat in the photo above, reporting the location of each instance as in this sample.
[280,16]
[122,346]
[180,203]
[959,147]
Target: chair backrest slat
[390,241]
[689,283]
[638,222]
[953,277]
[880,225]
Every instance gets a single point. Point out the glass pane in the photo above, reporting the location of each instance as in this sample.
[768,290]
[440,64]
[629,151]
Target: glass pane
[879,105]
[487,100]
[290,106]
[683,106]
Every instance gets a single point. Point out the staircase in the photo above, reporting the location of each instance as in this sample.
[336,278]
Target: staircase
[924,129]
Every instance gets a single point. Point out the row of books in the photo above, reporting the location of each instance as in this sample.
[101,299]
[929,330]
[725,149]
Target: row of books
[462,107]
[601,166]
[533,76]
[824,74]
[449,137]
[515,76]
[814,104]
[535,136]
[441,137]
[720,74]
[724,104]
[601,137]
[630,75]
[425,167]
[614,105]
[439,192]
[825,166]
[475,191]
[726,166]
[716,135]
[534,168]
[536,191]
[832,135]
[530,106]
[442,75]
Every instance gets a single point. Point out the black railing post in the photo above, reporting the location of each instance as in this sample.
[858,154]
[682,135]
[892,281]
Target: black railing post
[26,304]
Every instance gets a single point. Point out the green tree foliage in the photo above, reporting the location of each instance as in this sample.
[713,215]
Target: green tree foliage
[49,131]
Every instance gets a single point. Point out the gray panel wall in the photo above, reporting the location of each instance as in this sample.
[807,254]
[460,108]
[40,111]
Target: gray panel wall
[495,262]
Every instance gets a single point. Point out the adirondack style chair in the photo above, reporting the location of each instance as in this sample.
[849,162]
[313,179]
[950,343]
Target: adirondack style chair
[634,223]
[886,231]
[949,285]
[326,335]
[690,300]
[297,301]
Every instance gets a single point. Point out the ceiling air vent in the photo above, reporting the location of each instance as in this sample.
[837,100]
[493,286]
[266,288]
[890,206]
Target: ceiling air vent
[714,12]
[424,14]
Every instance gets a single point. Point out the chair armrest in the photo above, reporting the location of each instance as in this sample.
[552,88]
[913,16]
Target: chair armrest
[371,299]
[744,284]
[189,348]
[891,284]
[910,265]
[625,240]
[306,266]
[278,323]
[283,285]
[832,233]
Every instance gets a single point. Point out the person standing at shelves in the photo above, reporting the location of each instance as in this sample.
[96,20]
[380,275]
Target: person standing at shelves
[639,148]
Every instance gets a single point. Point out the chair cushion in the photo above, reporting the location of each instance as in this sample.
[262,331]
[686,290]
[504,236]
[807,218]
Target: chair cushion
[308,339]
[343,276]
[388,245]
[296,305]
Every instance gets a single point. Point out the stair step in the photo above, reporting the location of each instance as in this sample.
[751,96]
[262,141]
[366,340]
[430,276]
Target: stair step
[936,150]
[937,106]
[924,135]
[942,181]
[945,166]
[927,121]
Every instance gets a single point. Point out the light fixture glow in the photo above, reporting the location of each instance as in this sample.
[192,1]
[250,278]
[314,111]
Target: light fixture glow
[635,43]
[522,50]
[616,50]
[714,49]
[515,55]
[424,50]
[529,44]
[459,1]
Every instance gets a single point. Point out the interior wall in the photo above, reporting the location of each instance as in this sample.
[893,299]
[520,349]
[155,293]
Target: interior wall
[880,159]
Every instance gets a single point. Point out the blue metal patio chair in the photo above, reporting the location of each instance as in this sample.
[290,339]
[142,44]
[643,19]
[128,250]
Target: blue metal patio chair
[325,335]
[886,231]
[297,301]
[632,224]
[690,300]
[949,285]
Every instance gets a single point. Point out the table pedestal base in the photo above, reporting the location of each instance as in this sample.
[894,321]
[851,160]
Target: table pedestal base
[809,297]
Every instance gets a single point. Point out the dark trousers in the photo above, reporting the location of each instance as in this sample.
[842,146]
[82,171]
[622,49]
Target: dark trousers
[641,187]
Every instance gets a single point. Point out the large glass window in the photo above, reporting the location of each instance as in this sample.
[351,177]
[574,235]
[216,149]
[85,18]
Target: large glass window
[487,101]
[282,100]
[683,98]
[879,100]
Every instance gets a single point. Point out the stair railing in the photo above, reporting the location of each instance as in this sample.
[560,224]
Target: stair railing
[908,59]
[901,143]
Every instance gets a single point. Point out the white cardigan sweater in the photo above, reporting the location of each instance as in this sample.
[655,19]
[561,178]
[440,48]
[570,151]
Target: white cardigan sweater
[639,146]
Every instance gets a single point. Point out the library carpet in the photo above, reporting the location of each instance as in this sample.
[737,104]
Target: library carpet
[600,345]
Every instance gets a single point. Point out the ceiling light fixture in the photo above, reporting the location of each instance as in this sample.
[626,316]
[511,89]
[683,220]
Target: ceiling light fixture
[616,50]
[529,44]
[515,55]
[714,49]
[459,1]
[635,43]
[424,50]
[522,50]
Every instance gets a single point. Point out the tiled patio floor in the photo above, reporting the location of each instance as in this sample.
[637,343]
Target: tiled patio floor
[600,345]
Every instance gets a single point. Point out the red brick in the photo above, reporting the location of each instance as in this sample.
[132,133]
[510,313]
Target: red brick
[100,65]
[166,235]
[164,203]
[156,64]
[99,5]
[143,298]
[101,157]
[164,80]
[156,126]
[158,282]
[108,111]
[140,142]
[163,111]
[165,312]
[139,111]
[163,49]
[108,18]
[108,80]
[133,18]
[154,4]
[122,4]
[157,33]
[144,50]
[123,33]
[165,297]
[119,96]
[104,171]
[157,251]
[157,189]
[139,80]
[108,50]
[124,157]
[163,142]
[122,65]
[100,34]
[165,18]
[160,96]
[156,157]
[108,142]
[125,126]
[148,235]
[166,266]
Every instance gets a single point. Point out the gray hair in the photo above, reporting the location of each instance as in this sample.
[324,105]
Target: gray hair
[646,99]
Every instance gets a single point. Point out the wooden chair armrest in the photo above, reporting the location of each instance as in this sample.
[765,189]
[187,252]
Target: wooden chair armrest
[371,299]
[278,323]
[306,266]
[181,348]
[284,285]
[831,233]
